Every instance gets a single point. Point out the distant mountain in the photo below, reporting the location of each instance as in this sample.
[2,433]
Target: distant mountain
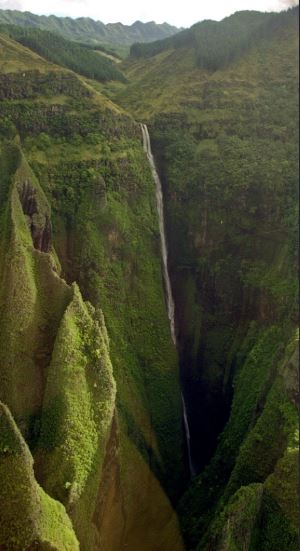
[217,43]
[85,29]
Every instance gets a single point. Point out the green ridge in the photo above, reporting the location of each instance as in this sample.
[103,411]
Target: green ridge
[28,516]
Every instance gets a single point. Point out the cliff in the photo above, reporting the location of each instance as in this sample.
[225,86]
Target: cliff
[83,316]
[224,134]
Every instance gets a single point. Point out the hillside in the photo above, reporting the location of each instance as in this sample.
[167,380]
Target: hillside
[225,141]
[85,29]
[79,242]
[68,54]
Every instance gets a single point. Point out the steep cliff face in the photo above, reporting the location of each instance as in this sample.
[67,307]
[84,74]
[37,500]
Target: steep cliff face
[97,402]
[56,375]
[225,143]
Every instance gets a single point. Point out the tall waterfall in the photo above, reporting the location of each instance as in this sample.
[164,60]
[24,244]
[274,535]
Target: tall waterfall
[164,254]
[163,242]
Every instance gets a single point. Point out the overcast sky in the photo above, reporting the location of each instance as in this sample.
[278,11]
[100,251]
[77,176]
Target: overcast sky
[182,13]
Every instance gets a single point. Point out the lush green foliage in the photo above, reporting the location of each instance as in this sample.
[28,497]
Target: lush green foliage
[101,48]
[223,126]
[68,54]
[218,44]
[87,157]
[28,516]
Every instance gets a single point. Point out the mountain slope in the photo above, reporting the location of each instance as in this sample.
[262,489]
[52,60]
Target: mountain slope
[85,29]
[29,516]
[79,243]
[68,54]
[216,44]
[225,142]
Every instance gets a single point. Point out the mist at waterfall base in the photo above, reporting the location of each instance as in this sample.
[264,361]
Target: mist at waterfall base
[167,282]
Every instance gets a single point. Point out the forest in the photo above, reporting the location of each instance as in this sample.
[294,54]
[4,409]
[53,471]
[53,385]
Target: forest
[79,58]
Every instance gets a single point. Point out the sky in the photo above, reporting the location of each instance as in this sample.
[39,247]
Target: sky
[182,13]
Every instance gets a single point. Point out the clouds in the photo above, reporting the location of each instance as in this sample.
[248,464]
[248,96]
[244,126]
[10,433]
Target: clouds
[289,3]
[11,5]
[182,14]
[73,8]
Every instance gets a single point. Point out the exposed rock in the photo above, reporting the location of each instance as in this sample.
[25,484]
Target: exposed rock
[39,222]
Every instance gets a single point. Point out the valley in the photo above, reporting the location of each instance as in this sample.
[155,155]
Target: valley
[148,291]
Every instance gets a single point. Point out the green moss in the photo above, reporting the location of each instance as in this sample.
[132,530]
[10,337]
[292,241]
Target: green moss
[262,424]
[28,280]
[234,528]
[27,514]
[77,411]
[274,531]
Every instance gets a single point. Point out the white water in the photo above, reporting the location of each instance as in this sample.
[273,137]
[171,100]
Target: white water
[164,254]
[163,242]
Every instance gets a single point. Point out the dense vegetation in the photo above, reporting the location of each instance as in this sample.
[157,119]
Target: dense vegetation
[101,48]
[225,140]
[68,54]
[80,249]
[216,44]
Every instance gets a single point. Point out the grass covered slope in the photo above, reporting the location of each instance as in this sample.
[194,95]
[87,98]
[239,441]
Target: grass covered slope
[77,414]
[225,140]
[81,183]
[28,281]
[215,44]
[28,516]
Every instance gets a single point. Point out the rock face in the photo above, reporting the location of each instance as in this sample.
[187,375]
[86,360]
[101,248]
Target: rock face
[39,222]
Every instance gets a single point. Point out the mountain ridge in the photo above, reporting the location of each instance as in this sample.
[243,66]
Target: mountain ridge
[87,29]
[217,43]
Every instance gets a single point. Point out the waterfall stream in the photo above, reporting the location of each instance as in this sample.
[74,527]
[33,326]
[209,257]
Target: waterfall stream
[164,254]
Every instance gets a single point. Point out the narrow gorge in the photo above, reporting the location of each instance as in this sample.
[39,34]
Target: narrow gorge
[148,285]
[168,288]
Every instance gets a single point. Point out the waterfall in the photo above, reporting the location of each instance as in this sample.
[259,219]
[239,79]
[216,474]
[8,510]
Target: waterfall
[164,254]
[163,242]
[188,437]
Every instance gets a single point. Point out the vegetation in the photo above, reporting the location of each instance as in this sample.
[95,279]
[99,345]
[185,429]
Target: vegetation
[224,136]
[87,365]
[72,162]
[65,53]
[28,515]
[216,44]
[103,49]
